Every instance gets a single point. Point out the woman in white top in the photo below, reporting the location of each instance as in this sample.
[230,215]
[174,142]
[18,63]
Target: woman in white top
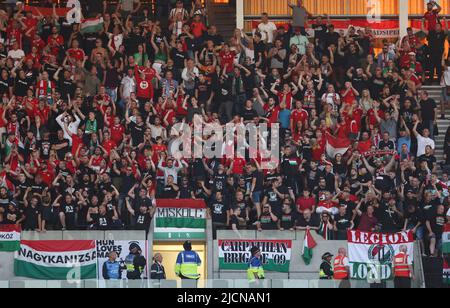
[445,84]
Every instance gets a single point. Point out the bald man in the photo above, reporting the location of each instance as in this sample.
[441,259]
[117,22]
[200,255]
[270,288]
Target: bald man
[342,269]
[403,270]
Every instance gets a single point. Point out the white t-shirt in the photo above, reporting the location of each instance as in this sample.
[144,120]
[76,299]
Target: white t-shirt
[446,77]
[270,27]
[448,213]
[129,86]
[328,98]
[16,54]
[422,143]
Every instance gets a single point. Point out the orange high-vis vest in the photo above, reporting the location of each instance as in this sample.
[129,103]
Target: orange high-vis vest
[401,266]
[340,272]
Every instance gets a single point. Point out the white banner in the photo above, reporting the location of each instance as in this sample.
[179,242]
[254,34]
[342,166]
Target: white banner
[371,255]
[122,248]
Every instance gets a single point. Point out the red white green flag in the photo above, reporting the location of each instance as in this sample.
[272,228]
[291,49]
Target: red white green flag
[10,237]
[56,260]
[446,239]
[308,245]
[446,272]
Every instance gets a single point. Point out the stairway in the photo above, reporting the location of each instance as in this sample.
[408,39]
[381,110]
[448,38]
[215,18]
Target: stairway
[435,93]
[223,16]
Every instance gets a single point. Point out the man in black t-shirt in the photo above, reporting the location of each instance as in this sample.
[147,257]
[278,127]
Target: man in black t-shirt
[268,220]
[309,220]
[435,225]
[428,112]
[61,145]
[220,213]
[343,222]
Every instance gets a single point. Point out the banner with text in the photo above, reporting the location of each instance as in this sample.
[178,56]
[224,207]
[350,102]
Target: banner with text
[122,248]
[371,255]
[10,237]
[235,254]
[56,260]
[180,219]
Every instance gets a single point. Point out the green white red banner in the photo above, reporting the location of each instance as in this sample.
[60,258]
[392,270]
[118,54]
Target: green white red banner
[371,255]
[180,219]
[235,254]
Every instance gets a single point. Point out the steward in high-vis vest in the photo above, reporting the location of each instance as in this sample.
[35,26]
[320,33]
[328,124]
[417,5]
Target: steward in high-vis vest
[326,269]
[188,263]
[403,271]
[112,269]
[341,268]
[255,271]
[135,263]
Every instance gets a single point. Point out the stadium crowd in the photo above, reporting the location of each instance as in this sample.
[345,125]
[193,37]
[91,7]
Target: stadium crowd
[86,118]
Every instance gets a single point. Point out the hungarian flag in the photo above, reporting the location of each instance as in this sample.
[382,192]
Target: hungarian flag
[92,25]
[337,146]
[56,260]
[446,272]
[10,237]
[446,239]
[308,245]
[326,233]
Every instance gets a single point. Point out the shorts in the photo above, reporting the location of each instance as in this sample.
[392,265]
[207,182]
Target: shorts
[420,232]
[256,196]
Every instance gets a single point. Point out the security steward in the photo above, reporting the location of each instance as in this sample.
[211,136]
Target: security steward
[188,263]
[403,271]
[255,271]
[341,269]
[157,271]
[135,263]
[112,269]
[326,269]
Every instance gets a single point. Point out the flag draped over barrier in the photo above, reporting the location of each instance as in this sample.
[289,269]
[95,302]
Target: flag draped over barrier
[180,219]
[56,260]
[371,255]
[10,237]
[235,254]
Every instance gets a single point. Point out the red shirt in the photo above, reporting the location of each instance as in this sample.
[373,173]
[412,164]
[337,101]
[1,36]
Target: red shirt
[238,166]
[30,23]
[77,143]
[157,149]
[432,19]
[43,114]
[117,133]
[305,204]
[109,145]
[287,97]
[364,146]
[76,54]
[299,116]
[227,59]
[272,113]
[349,98]
[144,87]
[181,110]
[319,150]
[198,28]
[39,44]
[372,119]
